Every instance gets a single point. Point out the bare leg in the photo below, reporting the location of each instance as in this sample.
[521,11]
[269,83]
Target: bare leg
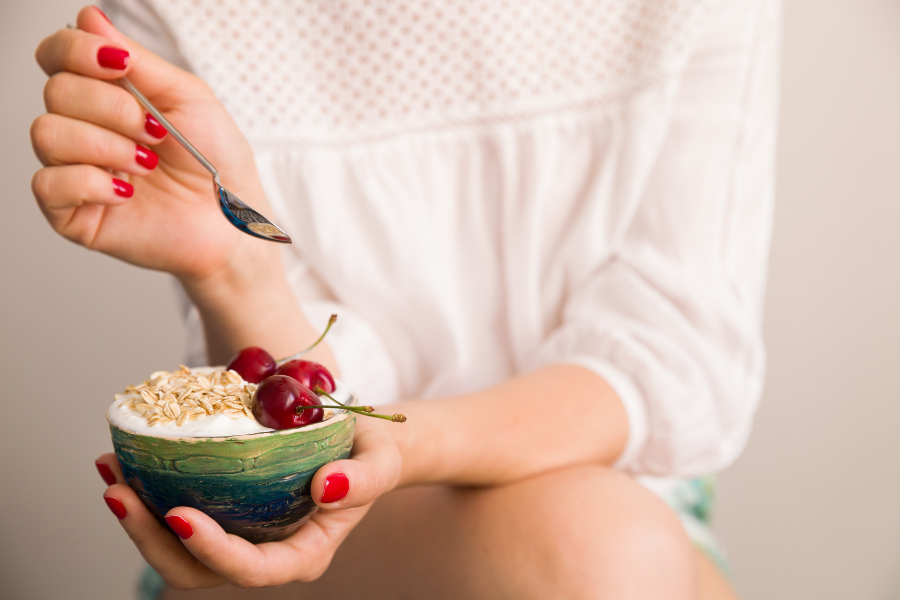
[710,582]
[584,532]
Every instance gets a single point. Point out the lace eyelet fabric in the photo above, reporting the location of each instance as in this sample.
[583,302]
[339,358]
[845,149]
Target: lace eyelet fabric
[334,71]
[482,188]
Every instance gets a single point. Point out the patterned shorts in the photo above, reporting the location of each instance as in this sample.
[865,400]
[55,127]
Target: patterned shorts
[693,500]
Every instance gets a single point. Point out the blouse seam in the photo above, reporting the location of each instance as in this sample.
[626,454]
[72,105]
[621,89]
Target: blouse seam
[605,101]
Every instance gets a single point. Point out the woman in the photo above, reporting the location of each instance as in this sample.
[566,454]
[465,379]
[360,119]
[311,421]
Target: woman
[550,221]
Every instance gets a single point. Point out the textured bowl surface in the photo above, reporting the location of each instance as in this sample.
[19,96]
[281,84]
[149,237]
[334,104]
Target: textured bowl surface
[255,486]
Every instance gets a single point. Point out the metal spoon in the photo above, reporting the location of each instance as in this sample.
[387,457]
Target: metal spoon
[237,212]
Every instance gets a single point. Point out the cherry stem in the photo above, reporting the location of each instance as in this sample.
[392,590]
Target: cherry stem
[359,410]
[319,391]
[331,321]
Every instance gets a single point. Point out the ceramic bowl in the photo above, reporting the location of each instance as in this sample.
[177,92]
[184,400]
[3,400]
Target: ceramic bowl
[255,486]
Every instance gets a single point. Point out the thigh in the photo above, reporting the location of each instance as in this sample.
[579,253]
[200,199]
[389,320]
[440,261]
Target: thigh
[584,532]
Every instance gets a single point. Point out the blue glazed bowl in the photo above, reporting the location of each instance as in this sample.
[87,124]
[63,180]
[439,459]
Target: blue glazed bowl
[255,486]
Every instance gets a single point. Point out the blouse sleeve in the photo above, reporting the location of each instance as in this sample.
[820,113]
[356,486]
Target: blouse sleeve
[363,360]
[673,321]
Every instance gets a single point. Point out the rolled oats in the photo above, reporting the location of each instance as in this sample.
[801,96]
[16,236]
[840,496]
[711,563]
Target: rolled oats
[181,396]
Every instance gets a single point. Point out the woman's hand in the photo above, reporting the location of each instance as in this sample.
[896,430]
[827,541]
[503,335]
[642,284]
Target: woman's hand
[101,186]
[207,556]
[165,215]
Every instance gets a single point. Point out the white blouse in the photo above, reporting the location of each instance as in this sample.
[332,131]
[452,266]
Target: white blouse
[483,187]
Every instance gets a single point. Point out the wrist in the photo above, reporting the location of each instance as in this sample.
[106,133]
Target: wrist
[419,441]
[248,302]
[240,281]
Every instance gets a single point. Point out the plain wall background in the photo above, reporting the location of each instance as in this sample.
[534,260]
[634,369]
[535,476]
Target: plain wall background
[811,510]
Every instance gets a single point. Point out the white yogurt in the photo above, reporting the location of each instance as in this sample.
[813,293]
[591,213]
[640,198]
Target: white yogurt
[217,425]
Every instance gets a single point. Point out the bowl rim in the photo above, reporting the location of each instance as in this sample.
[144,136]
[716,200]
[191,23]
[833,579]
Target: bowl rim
[339,415]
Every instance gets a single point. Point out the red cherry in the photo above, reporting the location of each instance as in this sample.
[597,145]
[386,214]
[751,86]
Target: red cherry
[276,400]
[253,364]
[310,374]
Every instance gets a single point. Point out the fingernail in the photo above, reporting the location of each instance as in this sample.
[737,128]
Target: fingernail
[104,470]
[145,157]
[112,58]
[153,127]
[181,527]
[336,487]
[116,507]
[102,14]
[124,189]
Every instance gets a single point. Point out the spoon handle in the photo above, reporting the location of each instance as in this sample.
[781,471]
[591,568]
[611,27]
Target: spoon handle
[171,128]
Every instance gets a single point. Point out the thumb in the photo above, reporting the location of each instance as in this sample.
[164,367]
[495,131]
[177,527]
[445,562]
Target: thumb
[373,470]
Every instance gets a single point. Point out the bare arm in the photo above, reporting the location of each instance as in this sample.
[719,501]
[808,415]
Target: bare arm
[551,418]
[253,306]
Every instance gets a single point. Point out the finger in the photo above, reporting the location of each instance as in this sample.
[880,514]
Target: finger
[97,49]
[84,53]
[70,186]
[235,559]
[74,199]
[109,469]
[157,544]
[304,556]
[150,73]
[102,104]
[373,470]
[59,140]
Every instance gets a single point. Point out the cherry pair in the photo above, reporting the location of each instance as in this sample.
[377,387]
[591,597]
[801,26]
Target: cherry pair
[288,395]
[285,391]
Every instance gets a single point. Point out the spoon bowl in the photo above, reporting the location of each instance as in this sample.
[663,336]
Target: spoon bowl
[245,218]
[235,210]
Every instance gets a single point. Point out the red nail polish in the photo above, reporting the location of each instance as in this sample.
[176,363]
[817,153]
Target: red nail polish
[153,127]
[181,527]
[336,487]
[124,189]
[112,58]
[116,507]
[102,14]
[145,157]
[104,470]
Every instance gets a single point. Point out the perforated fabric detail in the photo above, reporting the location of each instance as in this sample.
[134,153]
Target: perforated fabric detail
[343,70]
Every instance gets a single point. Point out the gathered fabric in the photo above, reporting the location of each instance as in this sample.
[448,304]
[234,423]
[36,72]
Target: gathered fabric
[479,189]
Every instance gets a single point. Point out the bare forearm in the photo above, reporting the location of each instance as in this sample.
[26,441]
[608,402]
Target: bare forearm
[254,307]
[554,417]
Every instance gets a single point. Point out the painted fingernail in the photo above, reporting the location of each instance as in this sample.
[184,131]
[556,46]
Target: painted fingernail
[124,189]
[112,58]
[116,507]
[154,127]
[145,157]
[104,470]
[181,527]
[102,14]
[336,487]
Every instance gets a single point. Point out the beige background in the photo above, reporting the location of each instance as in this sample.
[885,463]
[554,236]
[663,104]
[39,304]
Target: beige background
[811,510]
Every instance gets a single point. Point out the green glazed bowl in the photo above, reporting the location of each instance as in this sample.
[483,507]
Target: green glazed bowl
[255,486]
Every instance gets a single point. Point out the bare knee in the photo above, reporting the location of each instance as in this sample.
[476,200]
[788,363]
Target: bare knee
[580,533]
[631,545]
[595,533]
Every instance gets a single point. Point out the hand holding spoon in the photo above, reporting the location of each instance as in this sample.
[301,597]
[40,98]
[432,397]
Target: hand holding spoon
[237,212]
